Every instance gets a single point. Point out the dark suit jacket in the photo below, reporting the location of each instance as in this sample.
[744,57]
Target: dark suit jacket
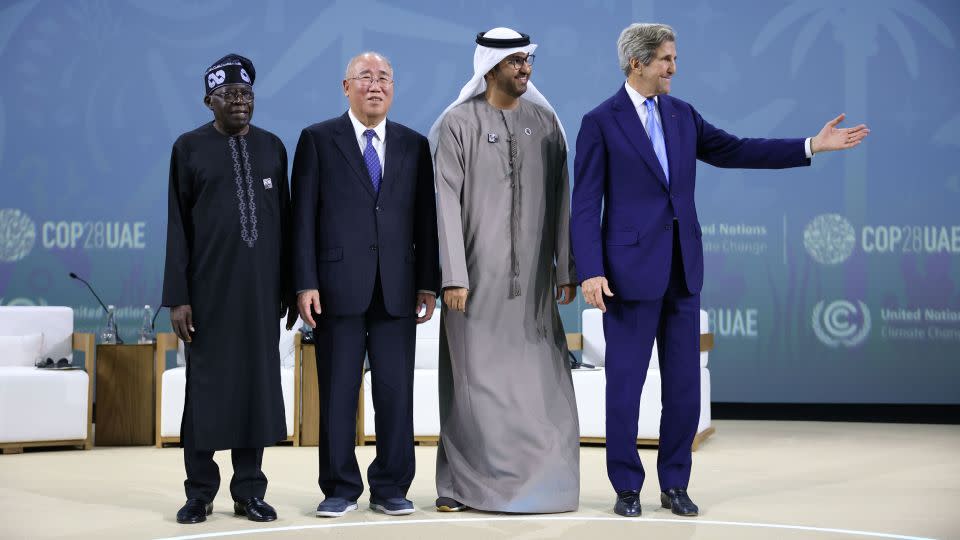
[617,170]
[344,232]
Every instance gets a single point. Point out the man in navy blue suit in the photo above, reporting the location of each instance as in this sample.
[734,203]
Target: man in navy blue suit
[365,265]
[637,243]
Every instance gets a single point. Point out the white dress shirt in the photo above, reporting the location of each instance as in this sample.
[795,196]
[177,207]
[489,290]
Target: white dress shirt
[379,139]
[638,103]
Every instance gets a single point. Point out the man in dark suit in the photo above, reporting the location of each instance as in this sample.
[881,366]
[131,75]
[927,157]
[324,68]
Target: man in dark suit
[366,264]
[637,243]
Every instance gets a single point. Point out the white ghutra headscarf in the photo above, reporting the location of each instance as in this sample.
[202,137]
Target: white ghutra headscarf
[492,47]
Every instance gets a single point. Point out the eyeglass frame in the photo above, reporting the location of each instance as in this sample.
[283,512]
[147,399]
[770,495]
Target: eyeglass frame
[366,81]
[236,96]
[516,62]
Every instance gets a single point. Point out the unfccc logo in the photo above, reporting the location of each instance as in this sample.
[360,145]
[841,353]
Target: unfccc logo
[829,239]
[841,323]
[17,235]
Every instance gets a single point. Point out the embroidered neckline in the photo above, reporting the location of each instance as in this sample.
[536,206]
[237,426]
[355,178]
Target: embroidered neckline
[250,237]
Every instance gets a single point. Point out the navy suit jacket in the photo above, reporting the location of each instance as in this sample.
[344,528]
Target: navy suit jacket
[344,232]
[623,210]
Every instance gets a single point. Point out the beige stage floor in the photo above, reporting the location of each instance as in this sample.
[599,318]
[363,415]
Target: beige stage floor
[752,480]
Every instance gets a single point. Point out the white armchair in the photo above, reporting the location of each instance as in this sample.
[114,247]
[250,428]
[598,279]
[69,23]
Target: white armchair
[590,386]
[172,383]
[426,390]
[42,407]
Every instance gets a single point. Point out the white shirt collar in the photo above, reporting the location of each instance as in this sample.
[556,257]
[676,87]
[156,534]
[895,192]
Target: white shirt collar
[638,98]
[358,127]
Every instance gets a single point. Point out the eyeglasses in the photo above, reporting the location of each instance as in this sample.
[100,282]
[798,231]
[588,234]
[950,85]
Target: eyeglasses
[243,96]
[517,62]
[366,81]
[49,363]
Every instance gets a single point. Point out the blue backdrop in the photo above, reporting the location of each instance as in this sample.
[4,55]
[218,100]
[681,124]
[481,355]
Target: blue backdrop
[834,283]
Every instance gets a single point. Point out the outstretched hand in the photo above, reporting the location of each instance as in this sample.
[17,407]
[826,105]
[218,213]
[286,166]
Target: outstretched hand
[833,138]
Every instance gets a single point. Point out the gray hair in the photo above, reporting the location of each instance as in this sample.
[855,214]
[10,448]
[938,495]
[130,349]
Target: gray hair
[357,58]
[641,41]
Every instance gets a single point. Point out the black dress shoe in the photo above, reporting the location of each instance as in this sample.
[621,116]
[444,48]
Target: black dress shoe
[255,509]
[678,502]
[194,511]
[449,504]
[628,503]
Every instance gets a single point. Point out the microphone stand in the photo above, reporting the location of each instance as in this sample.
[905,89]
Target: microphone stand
[153,323]
[94,293]
[577,363]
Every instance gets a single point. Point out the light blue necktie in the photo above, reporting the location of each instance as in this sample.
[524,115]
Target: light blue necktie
[655,132]
[372,160]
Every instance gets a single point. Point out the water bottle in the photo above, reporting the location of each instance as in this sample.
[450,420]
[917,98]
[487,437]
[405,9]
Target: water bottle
[147,335]
[108,335]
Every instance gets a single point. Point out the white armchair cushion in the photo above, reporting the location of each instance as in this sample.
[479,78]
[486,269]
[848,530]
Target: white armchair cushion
[287,340]
[426,390]
[172,397]
[174,383]
[286,345]
[590,388]
[428,343]
[42,405]
[20,351]
[54,322]
[589,385]
[595,345]
[426,403]
[706,418]
[427,354]
[286,387]
[174,393]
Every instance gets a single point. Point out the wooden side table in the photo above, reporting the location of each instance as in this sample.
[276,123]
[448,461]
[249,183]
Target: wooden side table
[125,395]
[310,394]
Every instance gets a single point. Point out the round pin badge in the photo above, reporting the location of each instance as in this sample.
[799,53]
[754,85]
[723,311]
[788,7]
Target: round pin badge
[528,131]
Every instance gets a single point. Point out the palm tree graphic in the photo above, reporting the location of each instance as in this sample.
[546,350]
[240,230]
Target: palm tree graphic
[856,27]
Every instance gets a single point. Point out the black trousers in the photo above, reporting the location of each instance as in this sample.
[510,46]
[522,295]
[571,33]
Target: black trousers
[341,343]
[203,475]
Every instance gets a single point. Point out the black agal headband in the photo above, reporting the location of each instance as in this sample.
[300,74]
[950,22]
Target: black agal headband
[503,43]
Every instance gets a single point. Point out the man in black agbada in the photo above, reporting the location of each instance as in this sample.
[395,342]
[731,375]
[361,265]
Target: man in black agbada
[226,284]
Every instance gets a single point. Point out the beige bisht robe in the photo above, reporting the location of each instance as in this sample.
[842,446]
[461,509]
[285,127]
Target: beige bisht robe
[509,436]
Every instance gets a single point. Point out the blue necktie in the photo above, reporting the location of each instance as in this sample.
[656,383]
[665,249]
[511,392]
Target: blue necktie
[372,160]
[655,132]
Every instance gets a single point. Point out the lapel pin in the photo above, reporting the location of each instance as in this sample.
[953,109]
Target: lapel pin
[492,137]
[267,183]
[528,131]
